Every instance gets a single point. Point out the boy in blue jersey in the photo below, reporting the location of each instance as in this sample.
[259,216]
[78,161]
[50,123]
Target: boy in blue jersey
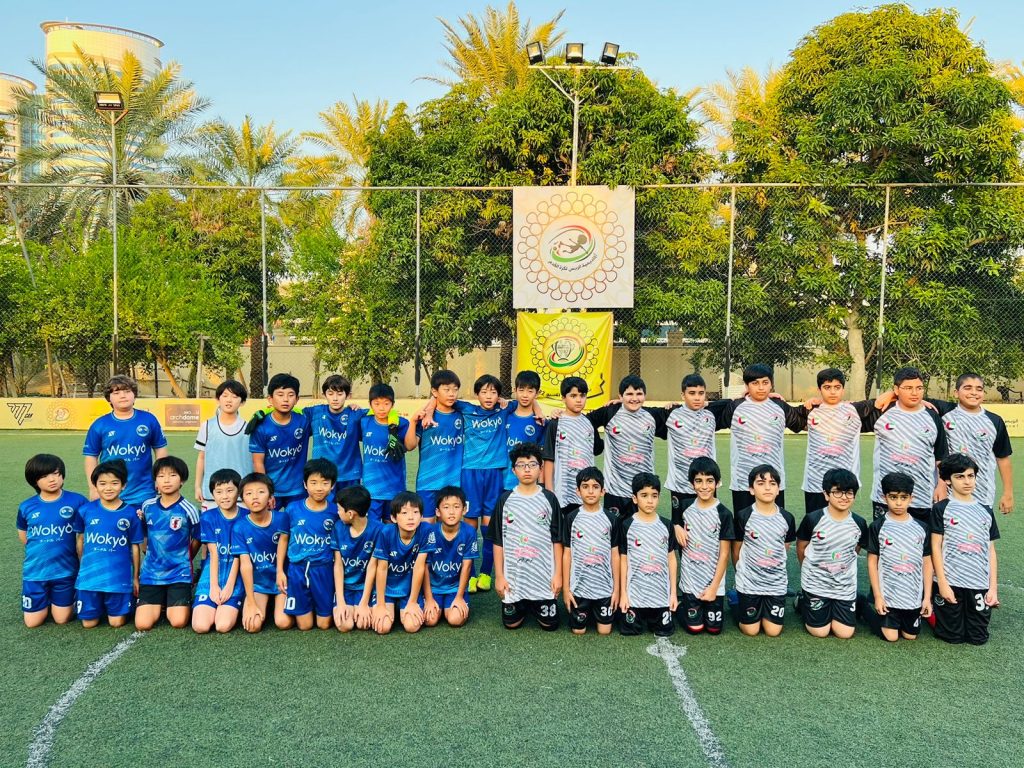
[219,592]
[440,441]
[401,566]
[133,436]
[46,531]
[254,541]
[221,441]
[355,537]
[449,568]
[383,434]
[278,444]
[521,424]
[172,539]
[308,580]
[334,428]
[109,534]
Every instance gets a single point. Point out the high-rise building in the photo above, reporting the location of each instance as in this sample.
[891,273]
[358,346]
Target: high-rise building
[100,42]
[18,135]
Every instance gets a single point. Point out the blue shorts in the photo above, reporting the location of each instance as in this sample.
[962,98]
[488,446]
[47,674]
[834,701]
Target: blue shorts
[280,501]
[445,601]
[92,605]
[399,602]
[429,502]
[203,598]
[353,596]
[40,595]
[310,589]
[482,487]
[380,509]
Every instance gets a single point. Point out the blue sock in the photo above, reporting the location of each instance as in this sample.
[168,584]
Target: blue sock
[487,560]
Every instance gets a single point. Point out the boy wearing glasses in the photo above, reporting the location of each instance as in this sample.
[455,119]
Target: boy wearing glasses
[827,543]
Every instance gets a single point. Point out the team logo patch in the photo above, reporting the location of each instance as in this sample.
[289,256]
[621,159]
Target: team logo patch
[298,433]
[66,512]
[142,430]
[124,524]
[819,535]
[939,600]
[176,522]
[275,538]
[692,613]
[816,603]
[530,430]
[509,609]
[751,612]
[328,524]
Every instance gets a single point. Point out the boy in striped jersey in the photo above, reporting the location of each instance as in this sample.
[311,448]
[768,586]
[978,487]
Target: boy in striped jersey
[899,565]
[590,540]
[570,444]
[963,532]
[525,529]
[647,569]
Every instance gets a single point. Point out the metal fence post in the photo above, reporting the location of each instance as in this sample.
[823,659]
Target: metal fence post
[416,356]
[263,280]
[879,346]
[728,291]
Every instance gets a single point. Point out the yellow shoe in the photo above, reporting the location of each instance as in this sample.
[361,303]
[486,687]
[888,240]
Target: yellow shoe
[472,585]
[483,582]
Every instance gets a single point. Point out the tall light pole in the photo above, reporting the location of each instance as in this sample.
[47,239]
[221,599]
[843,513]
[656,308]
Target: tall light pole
[574,63]
[111,104]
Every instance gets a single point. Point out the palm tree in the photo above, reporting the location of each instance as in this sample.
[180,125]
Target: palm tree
[246,156]
[492,50]
[76,149]
[741,97]
[1013,75]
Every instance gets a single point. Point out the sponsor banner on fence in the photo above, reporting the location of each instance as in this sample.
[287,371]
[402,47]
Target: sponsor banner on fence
[569,344]
[572,247]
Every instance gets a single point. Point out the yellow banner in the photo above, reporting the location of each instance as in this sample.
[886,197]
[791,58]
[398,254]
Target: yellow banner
[567,344]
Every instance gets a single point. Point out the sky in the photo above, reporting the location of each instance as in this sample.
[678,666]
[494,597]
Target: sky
[286,62]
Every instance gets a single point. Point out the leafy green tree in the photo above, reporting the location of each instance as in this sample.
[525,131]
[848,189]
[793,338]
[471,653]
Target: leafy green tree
[17,329]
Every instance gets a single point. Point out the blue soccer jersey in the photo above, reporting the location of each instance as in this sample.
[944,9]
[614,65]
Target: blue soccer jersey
[445,564]
[356,551]
[48,526]
[518,430]
[216,529]
[107,539]
[485,436]
[401,556]
[336,438]
[382,477]
[259,543]
[309,532]
[440,453]
[284,451]
[169,534]
[134,440]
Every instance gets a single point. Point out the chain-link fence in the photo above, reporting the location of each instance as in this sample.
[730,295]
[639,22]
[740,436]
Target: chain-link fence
[205,283]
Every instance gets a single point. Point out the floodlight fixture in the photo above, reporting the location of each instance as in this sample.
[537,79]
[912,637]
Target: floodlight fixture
[535,53]
[574,53]
[108,101]
[610,54]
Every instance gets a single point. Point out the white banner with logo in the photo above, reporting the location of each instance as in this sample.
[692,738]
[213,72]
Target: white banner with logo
[572,247]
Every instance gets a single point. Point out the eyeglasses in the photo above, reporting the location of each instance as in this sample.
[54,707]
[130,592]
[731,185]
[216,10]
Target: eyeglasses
[526,465]
[912,388]
[842,494]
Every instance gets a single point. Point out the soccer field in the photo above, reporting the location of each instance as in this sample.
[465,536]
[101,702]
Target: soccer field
[482,696]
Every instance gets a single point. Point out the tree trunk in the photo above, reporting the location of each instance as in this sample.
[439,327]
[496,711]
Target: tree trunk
[858,381]
[508,349]
[175,387]
[257,373]
[635,351]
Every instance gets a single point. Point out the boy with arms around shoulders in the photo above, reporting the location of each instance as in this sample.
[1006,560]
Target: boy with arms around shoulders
[521,424]
[440,440]
[383,434]
[334,430]
[570,443]
[279,444]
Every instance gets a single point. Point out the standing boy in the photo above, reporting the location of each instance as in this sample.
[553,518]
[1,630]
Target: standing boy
[222,442]
[441,443]
[278,444]
[334,430]
[521,424]
[383,433]
[570,443]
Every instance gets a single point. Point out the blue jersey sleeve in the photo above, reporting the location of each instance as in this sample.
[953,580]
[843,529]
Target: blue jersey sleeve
[206,534]
[157,439]
[258,441]
[238,546]
[22,519]
[93,440]
[382,547]
[136,530]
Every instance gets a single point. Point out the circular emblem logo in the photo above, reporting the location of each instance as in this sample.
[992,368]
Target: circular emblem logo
[142,430]
[563,347]
[124,524]
[66,512]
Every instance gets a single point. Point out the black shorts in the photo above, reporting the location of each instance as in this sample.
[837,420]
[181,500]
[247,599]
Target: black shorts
[753,608]
[591,611]
[906,620]
[621,506]
[166,595]
[657,620]
[814,502]
[695,615]
[544,611]
[922,514]
[966,621]
[680,503]
[820,612]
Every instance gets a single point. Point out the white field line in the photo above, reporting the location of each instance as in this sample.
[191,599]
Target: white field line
[39,749]
[709,743]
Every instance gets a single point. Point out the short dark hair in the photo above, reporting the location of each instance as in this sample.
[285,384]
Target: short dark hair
[589,473]
[757,371]
[405,497]
[692,380]
[897,482]
[173,463]
[41,465]
[356,498]
[831,374]
[967,377]
[570,383]
[841,480]
[283,381]
[450,492]
[115,467]
[906,374]
[956,463]
[528,379]
[236,388]
[643,480]
[256,478]
[760,471]
[118,383]
[336,383]
[632,381]
[442,377]
[704,465]
[525,451]
[382,391]
[225,476]
[487,380]
[323,467]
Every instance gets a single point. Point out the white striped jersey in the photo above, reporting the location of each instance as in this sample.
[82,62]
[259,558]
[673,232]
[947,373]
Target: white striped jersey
[901,546]
[569,442]
[833,441]
[527,528]
[829,568]
[909,442]
[756,432]
[593,539]
[647,547]
[629,436]
[691,435]
[706,529]
[761,568]
[966,528]
[984,438]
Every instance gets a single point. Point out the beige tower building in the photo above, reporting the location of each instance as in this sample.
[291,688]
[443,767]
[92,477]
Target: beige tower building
[17,136]
[101,42]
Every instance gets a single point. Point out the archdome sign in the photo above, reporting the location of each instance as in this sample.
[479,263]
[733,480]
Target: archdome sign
[572,247]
